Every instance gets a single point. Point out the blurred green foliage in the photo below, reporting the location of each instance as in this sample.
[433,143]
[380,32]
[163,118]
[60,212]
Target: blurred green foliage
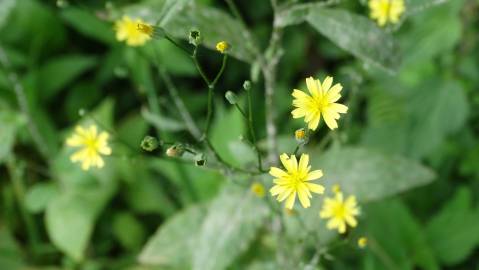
[413,121]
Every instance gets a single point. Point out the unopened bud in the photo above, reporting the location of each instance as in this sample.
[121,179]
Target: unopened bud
[247,85]
[362,242]
[149,143]
[222,46]
[231,97]
[258,189]
[200,160]
[194,37]
[300,135]
[175,151]
[336,188]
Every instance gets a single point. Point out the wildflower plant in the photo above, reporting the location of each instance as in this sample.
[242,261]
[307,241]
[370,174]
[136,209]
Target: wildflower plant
[249,172]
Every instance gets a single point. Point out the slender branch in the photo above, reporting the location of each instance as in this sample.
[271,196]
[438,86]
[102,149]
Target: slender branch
[180,105]
[172,40]
[38,140]
[199,68]
[222,69]
[252,132]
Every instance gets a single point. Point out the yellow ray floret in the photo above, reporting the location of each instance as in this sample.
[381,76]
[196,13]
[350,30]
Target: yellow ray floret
[133,32]
[386,11]
[320,102]
[91,146]
[295,181]
[340,212]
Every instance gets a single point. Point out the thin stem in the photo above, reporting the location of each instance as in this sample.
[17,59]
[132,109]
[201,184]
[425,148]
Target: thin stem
[234,9]
[209,114]
[222,69]
[19,188]
[252,132]
[180,105]
[38,140]
[199,68]
[172,40]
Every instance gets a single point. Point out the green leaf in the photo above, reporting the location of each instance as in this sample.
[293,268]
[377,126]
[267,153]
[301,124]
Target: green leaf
[10,255]
[88,24]
[128,230]
[396,237]
[174,242]
[61,72]
[225,142]
[368,174]
[214,25]
[222,239]
[5,7]
[415,6]
[11,122]
[39,195]
[454,231]
[356,34]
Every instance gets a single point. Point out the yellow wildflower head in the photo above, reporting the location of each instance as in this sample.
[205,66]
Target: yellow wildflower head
[362,242]
[258,189]
[134,32]
[386,11]
[340,212]
[295,180]
[320,102]
[222,46]
[92,145]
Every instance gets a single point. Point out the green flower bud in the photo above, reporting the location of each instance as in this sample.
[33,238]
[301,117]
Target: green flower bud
[149,143]
[176,150]
[200,160]
[301,135]
[231,97]
[194,37]
[247,85]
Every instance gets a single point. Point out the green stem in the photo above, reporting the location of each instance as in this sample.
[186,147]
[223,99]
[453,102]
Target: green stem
[199,68]
[252,132]
[222,69]
[19,189]
[173,41]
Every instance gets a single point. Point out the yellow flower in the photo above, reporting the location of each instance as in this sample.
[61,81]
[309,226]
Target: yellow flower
[384,11]
[362,242]
[340,212]
[92,144]
[322,101]
[295,180]
[222,46]
[258,189]
[135,33]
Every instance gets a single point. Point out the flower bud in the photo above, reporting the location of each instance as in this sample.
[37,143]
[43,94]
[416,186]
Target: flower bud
[362,242]
[258,189]
[336,188]
[194,38]
[151,30]
[200,160]
[175,151]
[149,143]
[222,46]
[300,135]
[247,85]
[231,97]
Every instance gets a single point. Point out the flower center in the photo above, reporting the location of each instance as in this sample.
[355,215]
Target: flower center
[339,211]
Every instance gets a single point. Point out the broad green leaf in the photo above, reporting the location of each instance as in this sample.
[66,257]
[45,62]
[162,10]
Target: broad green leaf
[454,231]
[11,257]
[224,142]
[174,242]
[60,72]
[128,230]
[39,195]
[356,34]
[222,239]
[10,122]
[368,174]
[214,25]
[5,7]
[396,237]
[88,24]
[415,6]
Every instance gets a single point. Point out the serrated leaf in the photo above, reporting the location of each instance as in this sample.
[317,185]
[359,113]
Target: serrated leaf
[356,34]
[246,214]
[173,243]
[454,231]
